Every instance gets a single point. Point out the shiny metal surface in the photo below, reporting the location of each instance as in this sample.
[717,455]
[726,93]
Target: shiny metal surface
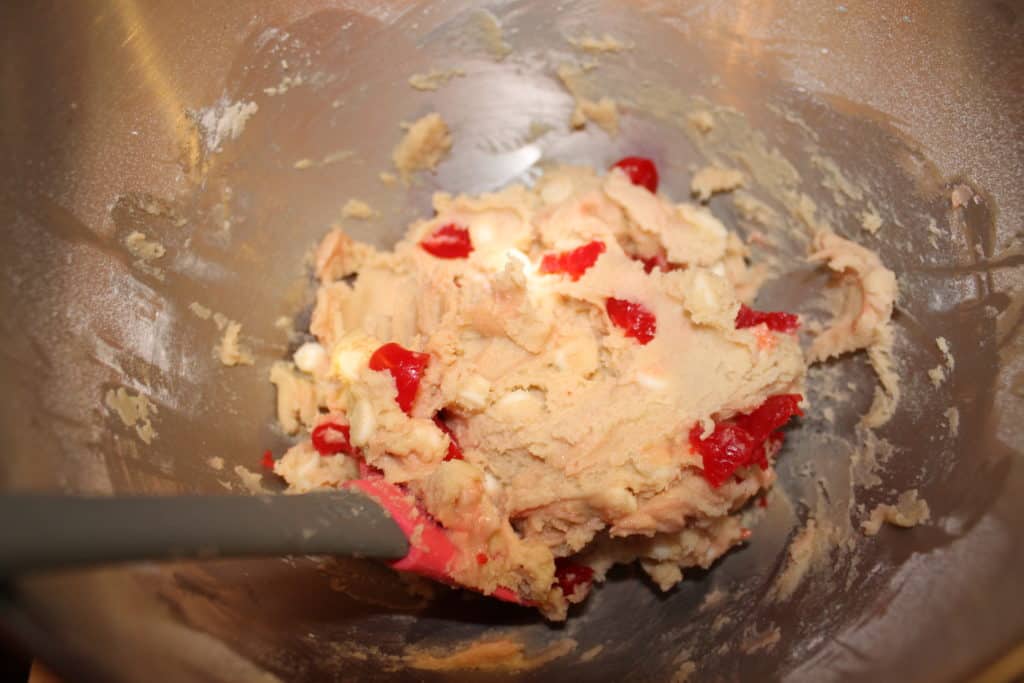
[101,105]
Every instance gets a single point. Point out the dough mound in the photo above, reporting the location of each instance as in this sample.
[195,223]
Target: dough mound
[575,435]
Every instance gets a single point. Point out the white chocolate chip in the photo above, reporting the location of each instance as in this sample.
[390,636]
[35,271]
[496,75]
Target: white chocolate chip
[483,233]
[473,392]
[703,289]
[519,405]
[362,422]
[578,355]
[311,358]
[652,382]
[428,437]
[347,364]
[351,354]
[556,191]
[491,485]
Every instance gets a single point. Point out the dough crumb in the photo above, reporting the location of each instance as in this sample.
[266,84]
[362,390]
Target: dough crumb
[332,158]
[216,462]
[286,83]
[961,196]
[200,311]
[425,143]
[702,121]
[387,177]
[606,43]
[134,411]
[909,511]
[230,351]
[252,481]
[491,35]
[604,112]
[870,220]
[225,121]
[684,672]
[941,372]
[757,641]
[142,248]
[495,655]
[357,208]
[145,252]
[953,421]
[714,179]
[434,79]
[591,653]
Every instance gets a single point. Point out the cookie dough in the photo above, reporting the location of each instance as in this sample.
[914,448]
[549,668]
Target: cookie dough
[582,345]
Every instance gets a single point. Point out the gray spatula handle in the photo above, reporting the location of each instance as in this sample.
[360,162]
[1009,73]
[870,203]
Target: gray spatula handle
[44,532]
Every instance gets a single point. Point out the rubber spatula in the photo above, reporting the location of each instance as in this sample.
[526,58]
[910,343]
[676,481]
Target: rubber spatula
[367,518]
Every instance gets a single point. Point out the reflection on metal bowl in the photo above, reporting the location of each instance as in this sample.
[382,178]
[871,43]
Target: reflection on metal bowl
[109,126]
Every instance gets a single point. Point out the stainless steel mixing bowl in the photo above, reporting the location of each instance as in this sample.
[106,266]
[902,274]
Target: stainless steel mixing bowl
[104,131]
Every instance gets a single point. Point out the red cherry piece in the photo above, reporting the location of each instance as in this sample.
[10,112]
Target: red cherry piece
[641,171]
[659,261]
[573,263]
[569,575]
[775,320]
[727,449]
[481,559]
[633,319]
[331,438]
[740,442]
[771,415]
[268,460]
[448,242]
[454,450]
[407,367]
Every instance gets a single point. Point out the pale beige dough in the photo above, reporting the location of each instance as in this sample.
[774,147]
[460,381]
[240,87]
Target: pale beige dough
[575,437]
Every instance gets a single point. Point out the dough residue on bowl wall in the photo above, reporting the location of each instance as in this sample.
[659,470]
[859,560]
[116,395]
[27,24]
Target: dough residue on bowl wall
[357,208]
[224,121]
[604,44]
[909,511]
[434,79]
[134,411]
[488,654]
[604,111]
[711,180]
[425,144]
